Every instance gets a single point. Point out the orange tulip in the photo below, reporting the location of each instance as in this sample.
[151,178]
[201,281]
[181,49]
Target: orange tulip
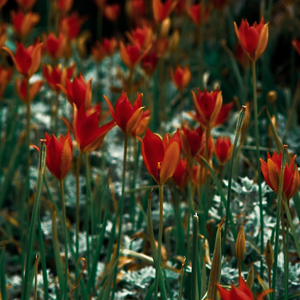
[254,39]
[181,175]
[5,78]
[54,46]
[194,12]
[27,61]
[271,172]
[24,23]
[3,34]
[296,45]
[112,12]
[26,4]
[223,149]
[149,62]
[21,88]
[162,10]
[2,3]
[161,157]
[64,5]
[181,77]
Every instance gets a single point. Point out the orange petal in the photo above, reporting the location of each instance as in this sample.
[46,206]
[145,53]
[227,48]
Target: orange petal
[262,41]
[134,120]
[273,176]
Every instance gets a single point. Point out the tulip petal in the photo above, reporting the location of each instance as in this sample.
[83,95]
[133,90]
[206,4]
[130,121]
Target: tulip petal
[262,41]
[134,120]
[66,159]
[273,176]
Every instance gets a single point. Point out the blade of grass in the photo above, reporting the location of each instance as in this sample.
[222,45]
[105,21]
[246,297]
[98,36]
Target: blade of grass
[2,275]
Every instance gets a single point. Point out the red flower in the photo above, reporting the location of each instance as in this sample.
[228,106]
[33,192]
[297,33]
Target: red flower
[2,3]
[54,46]
[149,63]
[137,9]
[240,293]
[162,10]
[5,78]
[180,7]
[59,155]
[130,118]
[27,61]
[223,149]
[194,13]
[112,12]
[141,35]
[88,135]
[65,5]
[271,171]
[296,45]
[22,89]
[57,75]
[199,174]
[241,56]
[71,26]
[26,4]
[78,91]
[181,175]
[181,77]
[161,156]
[254,39]
[108,47]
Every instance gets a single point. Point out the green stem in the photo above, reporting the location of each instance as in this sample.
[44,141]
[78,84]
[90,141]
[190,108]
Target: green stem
[286,262]
[64,222]
[258,168]
[195,254]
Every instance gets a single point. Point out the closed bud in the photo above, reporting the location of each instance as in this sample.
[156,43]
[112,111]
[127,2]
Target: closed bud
[173,41]
[250,277]
[270,132]
[240,245]
[269,255]
[165,27]
[272,96]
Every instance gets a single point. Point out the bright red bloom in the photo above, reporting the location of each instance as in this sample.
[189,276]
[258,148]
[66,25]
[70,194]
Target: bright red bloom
[194,13]
[59,155]
[141,35]
[296,45]
[149,63]
[240,293]
[88,135]
[181,175]
[5,78]
[272,169]
[54,46]
[24,23]
[112,12]
[78,92]
[254,39]
[26,4]
[27,61]
[181,77]
[21,89]
[162,10]
[223,149]
[241,56]
[65,5]
[161,156]
[71,26]
[57,75]
[2,3]
[131,54]
[128,116]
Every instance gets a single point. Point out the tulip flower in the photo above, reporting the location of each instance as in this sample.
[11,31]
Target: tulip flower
[57,75]
[180,7]
[209,110]
[112,12]
[71,26]
[26,5]
[141,35]
[202,151]
[21,89]
[241,56]
[161,46]
[24,23]
[296,45]
[2,3]
[195,12]
[271,172]
[254,39]
[162,10]
[137,9]
[78,92]
[108,47]
[223,149]
[54,46]
[98,52]
[5,78]
[149,63]
[181,175]
[181,77]
[3,34]
[64,6]
[161,156]
[88,135]
[240,293]
[27,61]
[130,118]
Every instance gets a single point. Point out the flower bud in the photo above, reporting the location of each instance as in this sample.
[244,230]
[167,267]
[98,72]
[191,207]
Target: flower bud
[240,245]
[165,27]
[250,277]
[269,255]
[173,41]
[272,96]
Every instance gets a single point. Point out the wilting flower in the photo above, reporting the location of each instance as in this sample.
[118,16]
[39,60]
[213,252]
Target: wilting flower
[24,23]
[26,4]
[149,62]
[3,34]
[2,3]
[181,175]
[240,293]
[199,174]
[296,45]
[71,26]
[78,92]
[162,10]
[54,46]
[131,54]
[21,89]
[271,171]
[161,156]
[141,35]
[223,149]
[130,118]
[209,109]
[195,12]
[57,75]
[88,135]
[59,155]
[254,39]
[5,78]
[112,12]
[181,77]
[64,5]
[27,61]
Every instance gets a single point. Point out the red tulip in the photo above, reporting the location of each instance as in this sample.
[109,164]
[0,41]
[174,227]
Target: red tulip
[180,7]
[88,135]
[181,175]
[137,9]
[54,46]
[161,156]
[112,12]
[223,149]
[108,47]
[162,10]
[194,13]
[149,63]
[71,26]
[65,5]
[59,155]
[240,293]
[141,35]
[254,39]
[27,61]
[241,56]
[181,77]
[26,4]
[296,45]
[21,89]
[24,23]
[78,92]
[199,174]
[5,78]
[271,171]
[2,3]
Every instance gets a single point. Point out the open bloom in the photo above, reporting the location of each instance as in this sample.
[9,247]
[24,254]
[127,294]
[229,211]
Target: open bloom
[21,89]
[181,175]
[24,23]
[161,156]
[161,10]
[26,4]
[240,293]
[27,61]
[209,109]
[223,149]
[5,78]
[59,155]
[130,118]
[254,39]
[54,46]
[181,77]
[296,45]
[271,171]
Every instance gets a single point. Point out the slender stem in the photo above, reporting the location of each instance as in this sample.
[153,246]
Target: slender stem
[130,81]
[258,168]
[286,262]
[132,196]
[195,255]
[121,205]
[64,222]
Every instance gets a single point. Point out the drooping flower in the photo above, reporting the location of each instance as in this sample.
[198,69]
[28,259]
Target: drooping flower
[223,149]
[54,46]
[26,5]
[254,39]
[181,175]
[112,12]
[271,171]
[59,155]
[181,77]
[5,78]
[296,45]
[21,89]
[27,61]
[161,156]
[162,10]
